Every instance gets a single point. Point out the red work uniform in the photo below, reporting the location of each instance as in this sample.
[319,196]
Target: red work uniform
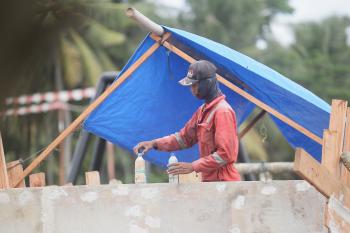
[213,126]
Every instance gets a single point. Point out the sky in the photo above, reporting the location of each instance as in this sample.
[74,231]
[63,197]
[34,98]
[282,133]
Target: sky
[308,10]
[304,10]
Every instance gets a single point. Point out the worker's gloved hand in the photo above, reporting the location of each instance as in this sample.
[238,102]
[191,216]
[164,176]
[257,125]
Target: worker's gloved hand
[180,168]
[144,146]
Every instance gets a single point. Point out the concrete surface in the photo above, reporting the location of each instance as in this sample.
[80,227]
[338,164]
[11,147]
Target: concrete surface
[226,207]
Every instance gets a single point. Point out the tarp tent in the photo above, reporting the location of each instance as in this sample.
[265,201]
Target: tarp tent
[151,103]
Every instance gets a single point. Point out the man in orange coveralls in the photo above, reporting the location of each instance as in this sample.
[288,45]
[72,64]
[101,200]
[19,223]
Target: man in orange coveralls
[212,126]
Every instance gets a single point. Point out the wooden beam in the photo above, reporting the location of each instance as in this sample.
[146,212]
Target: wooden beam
[246,95]
[329,158]
[4,180]
[37,180]
[251,124]
[92,178]
[15,170]
[309,169]
[337,122]
[89,109]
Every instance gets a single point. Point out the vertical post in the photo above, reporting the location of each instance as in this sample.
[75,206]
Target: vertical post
[110,160]
[37,180]
[4,180]
[15,170]
[92,178]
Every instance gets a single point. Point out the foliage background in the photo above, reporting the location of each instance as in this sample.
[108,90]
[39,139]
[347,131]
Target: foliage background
[49,45]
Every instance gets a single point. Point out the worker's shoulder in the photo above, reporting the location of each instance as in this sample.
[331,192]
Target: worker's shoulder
[223,106]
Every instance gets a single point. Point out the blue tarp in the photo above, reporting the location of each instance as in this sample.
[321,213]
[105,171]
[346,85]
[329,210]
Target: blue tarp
[151,103]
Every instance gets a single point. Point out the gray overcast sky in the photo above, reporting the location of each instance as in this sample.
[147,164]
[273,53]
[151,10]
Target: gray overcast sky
[305,10]
[308,10]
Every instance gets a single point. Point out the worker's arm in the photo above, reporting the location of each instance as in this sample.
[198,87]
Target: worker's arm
[226,143]
[183,139]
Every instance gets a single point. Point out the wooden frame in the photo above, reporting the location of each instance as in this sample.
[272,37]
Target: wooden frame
[244,94]
[90,108]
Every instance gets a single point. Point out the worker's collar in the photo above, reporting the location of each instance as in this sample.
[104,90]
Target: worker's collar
[213,102]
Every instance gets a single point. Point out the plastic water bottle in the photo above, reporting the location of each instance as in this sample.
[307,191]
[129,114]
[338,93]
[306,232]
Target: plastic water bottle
[140,170]
[173,178]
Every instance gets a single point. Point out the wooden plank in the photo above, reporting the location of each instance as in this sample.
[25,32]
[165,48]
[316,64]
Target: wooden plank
[319,176]
[15,170]
[337,121]
[329,158]
[345,173]
[337,216]
[4,180]
[92,178]
[76,123]
[246,95]
[37,180]
[192,177]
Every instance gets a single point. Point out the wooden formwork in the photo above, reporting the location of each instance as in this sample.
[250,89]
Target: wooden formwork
[330,176]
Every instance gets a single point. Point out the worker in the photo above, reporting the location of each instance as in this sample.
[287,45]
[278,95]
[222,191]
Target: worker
[212,126]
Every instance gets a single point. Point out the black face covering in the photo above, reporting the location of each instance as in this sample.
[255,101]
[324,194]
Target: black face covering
[208,89]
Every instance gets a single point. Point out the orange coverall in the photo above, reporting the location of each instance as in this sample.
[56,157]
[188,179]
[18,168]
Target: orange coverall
[213,126]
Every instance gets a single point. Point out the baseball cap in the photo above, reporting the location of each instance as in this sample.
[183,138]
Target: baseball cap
[197,71]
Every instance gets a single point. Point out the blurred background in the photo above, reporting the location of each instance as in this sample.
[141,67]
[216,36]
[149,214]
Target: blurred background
[58,45]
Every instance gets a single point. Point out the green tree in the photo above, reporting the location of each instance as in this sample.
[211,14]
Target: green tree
[237,24]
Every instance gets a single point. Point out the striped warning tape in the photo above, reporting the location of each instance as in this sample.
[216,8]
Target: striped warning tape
[49,97]
[32,109]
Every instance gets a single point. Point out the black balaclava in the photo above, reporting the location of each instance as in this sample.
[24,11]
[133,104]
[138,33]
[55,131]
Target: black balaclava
[208,89]
[204,73]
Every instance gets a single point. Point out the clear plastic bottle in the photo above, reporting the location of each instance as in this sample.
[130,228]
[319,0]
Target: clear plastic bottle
[173,178]
[140,170]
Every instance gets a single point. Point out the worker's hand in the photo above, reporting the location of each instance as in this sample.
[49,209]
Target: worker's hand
[180,168]
[144,146]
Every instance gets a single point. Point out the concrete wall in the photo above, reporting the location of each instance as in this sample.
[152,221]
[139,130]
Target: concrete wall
[227,207]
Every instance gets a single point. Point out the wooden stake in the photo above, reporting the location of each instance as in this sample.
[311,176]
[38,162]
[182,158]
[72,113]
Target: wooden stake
[15,170]
[89,109]
[4,180]
[37,180]
[251,124]
[246,95]
[92,178]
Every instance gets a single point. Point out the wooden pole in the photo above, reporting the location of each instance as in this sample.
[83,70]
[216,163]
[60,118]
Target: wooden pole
[244,94]
[144,22]
[89,109]
[251,124]
[110,160]
[4,180]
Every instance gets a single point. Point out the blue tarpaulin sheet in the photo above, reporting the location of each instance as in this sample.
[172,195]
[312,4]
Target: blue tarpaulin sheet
[151,103]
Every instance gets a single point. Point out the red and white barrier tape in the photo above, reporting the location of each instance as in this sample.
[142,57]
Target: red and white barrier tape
[35,108]
[50,97]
